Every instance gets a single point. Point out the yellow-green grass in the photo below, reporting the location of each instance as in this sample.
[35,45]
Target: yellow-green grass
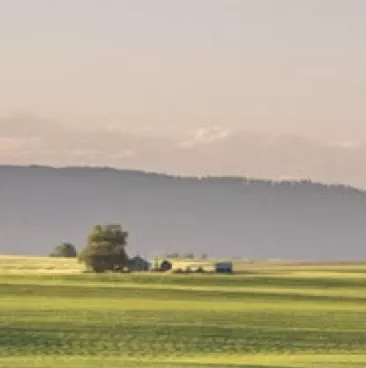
[15,264]
[271,316]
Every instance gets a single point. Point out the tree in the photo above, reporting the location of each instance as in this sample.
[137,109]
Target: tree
[105,249]
[66,250]
[172,255]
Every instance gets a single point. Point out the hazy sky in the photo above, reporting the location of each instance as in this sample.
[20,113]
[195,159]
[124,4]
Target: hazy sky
[276,67]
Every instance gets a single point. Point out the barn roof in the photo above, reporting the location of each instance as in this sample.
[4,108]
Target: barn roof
[139,259]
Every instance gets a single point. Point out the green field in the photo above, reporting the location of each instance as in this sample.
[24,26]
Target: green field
[272,315]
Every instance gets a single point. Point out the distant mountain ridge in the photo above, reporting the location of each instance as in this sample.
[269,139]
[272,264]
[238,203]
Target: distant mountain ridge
[222,216]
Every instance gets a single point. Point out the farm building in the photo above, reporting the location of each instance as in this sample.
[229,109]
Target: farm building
[165,265]
[192,266]
[224,267]
[183,265]
[197,267]
[139,264]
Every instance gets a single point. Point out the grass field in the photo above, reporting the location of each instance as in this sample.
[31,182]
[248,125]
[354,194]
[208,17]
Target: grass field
[273,315]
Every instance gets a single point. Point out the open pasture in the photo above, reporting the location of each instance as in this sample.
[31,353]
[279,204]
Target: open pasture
[272,315]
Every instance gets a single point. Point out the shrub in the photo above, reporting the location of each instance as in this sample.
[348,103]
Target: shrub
[66,250]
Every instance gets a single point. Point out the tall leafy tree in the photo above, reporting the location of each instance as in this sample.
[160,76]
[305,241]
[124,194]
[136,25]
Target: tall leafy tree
[105,249]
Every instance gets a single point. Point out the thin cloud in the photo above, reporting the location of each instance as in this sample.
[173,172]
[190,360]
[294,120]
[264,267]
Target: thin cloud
[17,143]
[208,151]
[348,145]
[206,135]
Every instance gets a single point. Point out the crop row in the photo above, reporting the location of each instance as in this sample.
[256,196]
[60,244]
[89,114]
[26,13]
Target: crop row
[174,340]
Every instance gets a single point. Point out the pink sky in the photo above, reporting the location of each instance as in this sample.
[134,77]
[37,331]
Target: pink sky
[218,79]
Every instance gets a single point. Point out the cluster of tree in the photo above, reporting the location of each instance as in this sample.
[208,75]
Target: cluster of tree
[104,251]
[183,256]
[65,250]
[178,256]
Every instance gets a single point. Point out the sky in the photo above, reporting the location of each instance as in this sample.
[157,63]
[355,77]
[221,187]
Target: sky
[250,87]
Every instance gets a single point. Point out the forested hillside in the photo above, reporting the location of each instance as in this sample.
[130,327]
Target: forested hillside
[42,207]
